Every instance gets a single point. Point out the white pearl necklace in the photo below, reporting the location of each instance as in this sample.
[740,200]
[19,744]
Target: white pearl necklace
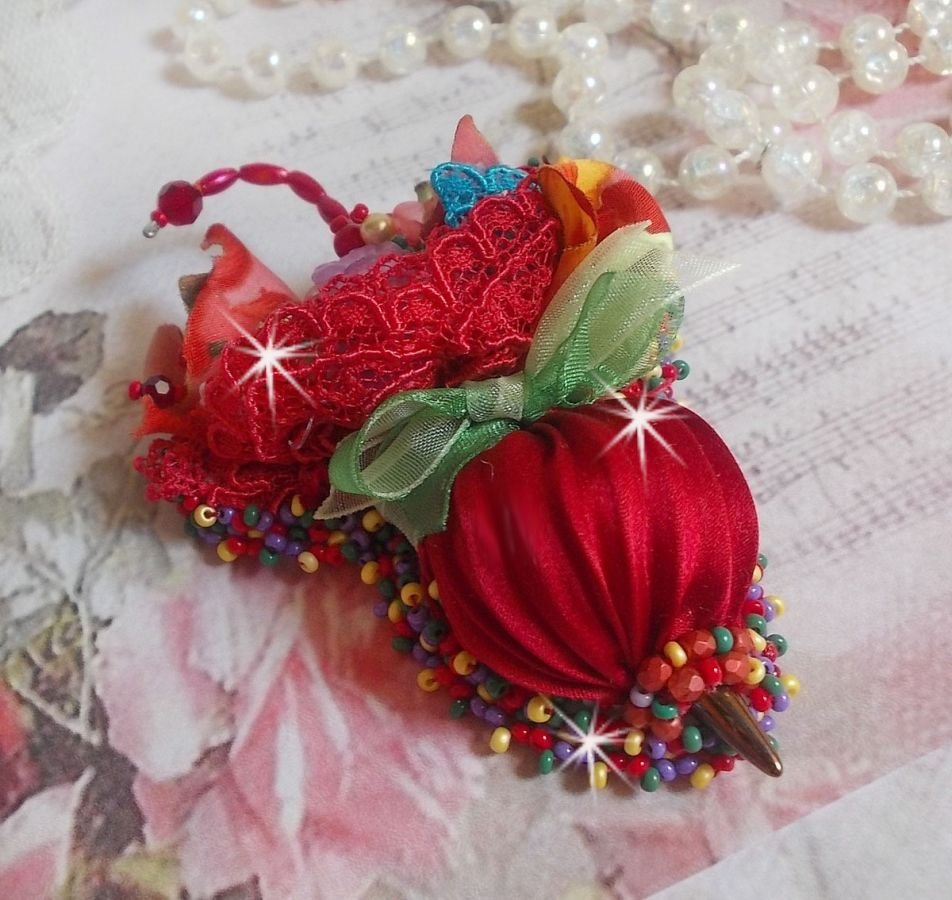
[752,84]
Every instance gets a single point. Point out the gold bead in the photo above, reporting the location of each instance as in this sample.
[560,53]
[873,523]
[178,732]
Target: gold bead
[757,576]
[464,663]
[702,776]
[335,538]
[500,740]
[758,640]
[395,611]
[777,603]
[308,562]
[486,696]
[433,590]
[411,593]
[427,681]
[675,653]
[599,777]
[757,671]
[204,516]
[539,710]
[378,228]
[370,572]
[633,741]
[372,521]
[224,554]
[297,507]
[791,684]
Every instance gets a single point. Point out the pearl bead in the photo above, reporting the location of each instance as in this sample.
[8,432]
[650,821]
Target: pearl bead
[585,139]
[609,15]
[921,147]
[851,137]
[727,59]
[263,71]
[643,165]
[204,54]
[332,65]
[582,43]
[190,14]
[772,51]
[707,172]
[731,120]
[936,189]
[577,85]
[881,69]
[791,168]
[935,50]
[467,32]
[402,50]
[533,32]
[807,96]
[693,88]
[865,32]
[924,15]
[226,8]
[866,193]
[728,24]
[773,128]
[675,20]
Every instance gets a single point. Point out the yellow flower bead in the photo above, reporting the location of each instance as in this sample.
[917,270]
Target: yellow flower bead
[777,603]
[539,710]
[395,611]
[335,538]
[757,671]
[758,575]
[297,507]
[426,681]
[308,562]
[370,572]
[758,640]
[433,590]
[702,776]
[224,554]
[599,775]
[411,593]
[500,740]
[791,684]
[675,653]
[372,521]
[634,741]
[204,516]
[464,663]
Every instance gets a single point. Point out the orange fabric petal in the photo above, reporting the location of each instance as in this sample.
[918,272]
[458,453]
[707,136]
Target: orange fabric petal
[579,227]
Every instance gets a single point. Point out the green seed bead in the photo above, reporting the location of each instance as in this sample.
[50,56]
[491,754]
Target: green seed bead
[402,644]
[723,638]
[654,383]
[387,589]
[306,521]
[651,780]
[761,561]
[546,762]
[350,551]
[333,524]
[691,739]
[683,369]
[779,641]
[251,515]
[268,557]
[457,707]
[663,710]
[556,721]
[758,623]
[533,162]
[772,684]
[296,533]
[496,686]
[583,718]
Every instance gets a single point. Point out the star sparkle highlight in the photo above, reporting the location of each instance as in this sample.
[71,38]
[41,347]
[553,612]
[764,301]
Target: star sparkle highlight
[640,424]
[590,743]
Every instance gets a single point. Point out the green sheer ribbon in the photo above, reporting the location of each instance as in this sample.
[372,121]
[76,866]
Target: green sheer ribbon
[609,324]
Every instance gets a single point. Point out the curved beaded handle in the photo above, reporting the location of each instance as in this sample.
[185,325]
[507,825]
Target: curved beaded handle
[180,202]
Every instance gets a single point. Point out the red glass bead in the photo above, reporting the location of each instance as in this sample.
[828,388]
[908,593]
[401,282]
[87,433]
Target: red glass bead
[237,545]
[710,670]
[444,675]
[742,640]
[618,760]
[520,732]
[541,738]
[263,173]
[461,690]
[180,202]
[217,181]
[760,699]
[360,212]
[686,684]
[638,765]
[770,651]
[161,390]
[334,556]
[654,673]
[698,644]
[735,666]
[753,607]
[135,390]
[721,763]
[667,729]
[254,547]
[404,629]
[318,533]
[511,701]
[669,372]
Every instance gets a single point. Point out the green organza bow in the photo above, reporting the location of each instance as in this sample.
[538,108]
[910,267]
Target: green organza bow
[609,324]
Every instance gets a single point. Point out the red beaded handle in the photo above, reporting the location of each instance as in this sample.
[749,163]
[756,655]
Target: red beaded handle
[180,202]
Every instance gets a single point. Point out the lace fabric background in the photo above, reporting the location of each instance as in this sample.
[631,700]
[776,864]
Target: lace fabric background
[169,723]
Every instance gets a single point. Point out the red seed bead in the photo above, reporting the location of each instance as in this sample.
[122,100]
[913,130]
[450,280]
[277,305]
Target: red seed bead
[238,524]
[742,640]
[180,202]
[721,763]
[675,747]
[189,503]
[710,670]
[404,629]
[135,390]
[520,732]
[638,765]
[444,675]
[753,607]
[237,545]
[760,699]
[686,684]
[636,716]
[449,646]
[654,673]
[254,547]
[618,760]
[386,565]
[669,372]
[510,702]
[541,738]
[735,666]
[699,644]
[360,212]
[334,556]
[667,729]
[217,181]
[263,173]
[461,690]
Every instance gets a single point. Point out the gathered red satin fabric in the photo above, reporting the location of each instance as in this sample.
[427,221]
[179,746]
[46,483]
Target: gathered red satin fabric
[562,566]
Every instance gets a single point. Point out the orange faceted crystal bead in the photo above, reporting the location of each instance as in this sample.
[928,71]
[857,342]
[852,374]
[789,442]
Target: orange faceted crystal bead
[686,685]
[699,644]
[667,729]
[735,665]
[742,639]
[654,673]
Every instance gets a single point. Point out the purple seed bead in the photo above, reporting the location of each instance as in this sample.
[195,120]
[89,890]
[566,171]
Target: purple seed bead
[366,557]
[685,765]
[380,609]
[209,536]
[639,698]
[479,674]
[361,538]
[404,567]
[769,612]
[562,750]
[769,666]
[275,541]
[434,661]
[656,748]
[781,702]
[755,592]
[419,654]
[708,740]
[350,523]
[767,723]
[294,548]
[478,707]
[666,769]
[495,716]
[416,619]
[226,514]
[285,514]
[265,521]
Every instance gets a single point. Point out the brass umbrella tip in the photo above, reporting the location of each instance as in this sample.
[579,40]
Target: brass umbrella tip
[725,713]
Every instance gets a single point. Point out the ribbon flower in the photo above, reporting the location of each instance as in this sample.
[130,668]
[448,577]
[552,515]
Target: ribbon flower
[608,324]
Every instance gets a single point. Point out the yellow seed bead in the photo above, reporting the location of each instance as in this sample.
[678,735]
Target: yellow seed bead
[308,562]
[599,776]
[500,740]
[204,516]
[411,593]
[757,671]
[777,603]
[464,663]
[677,343]
[370,572]
[224,554]
[539,710]
[675,653]
[760,644]
[427,681]
[297,507]
[255,534]
[335,538]
[702,776]
[791,684]
[395,611]
[481,690]
[433,590]
[758,575]
[633,742]
[372,521]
